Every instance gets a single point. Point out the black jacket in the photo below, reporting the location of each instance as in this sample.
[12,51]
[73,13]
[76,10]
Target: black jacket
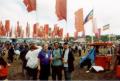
[70,60]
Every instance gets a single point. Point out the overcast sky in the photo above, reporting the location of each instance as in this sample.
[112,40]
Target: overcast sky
[105,12]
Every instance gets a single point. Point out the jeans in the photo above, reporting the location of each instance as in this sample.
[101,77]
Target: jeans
[44,72]
[32,73]
[57,72]
[67,74]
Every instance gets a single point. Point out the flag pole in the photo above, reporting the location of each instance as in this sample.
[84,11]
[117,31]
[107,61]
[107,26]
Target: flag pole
[109,35]
[92,39]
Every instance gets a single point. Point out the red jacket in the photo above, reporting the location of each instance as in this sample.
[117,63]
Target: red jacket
[3,71]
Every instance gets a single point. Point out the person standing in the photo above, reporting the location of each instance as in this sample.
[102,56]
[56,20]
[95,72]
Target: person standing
[11,53]
[118,55]
[44,58]
[56,62]
[3,69]
[22,57]
[32,62]
[79,50]
[68,60]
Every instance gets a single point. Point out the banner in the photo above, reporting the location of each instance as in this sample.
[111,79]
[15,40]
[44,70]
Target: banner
[89,17]
[61,6]
[106,27]
[7,25]
[79,26]
[30,5]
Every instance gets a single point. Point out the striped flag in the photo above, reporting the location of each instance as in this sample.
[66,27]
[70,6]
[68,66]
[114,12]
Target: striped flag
[106,27]
[89,17]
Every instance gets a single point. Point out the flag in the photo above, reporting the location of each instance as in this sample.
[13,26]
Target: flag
[67,36]
[53,34]
[61,6]
[35,27]
[7,25]
[75,35]
[99,33]
[95,29]
[79,20]
[41,32]
[50,31]
[46,29]
[60,32]
[18,30]
[89,17]
[22,34]
[2,29]
[56,29]
[83,34]
[106,27]
[30,4]
[10,34]
[27,30]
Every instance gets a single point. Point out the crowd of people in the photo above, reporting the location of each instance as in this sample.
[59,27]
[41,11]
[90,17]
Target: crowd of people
[40,62]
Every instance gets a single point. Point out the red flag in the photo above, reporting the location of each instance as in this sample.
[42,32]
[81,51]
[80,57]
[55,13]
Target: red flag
[60,32]
[67,36]
[53,34]
[7,25]
[22,34]
[61,9]
[18,30]
[30,4]
[46,29]
[79,25]
[99,33]
[41,32]
[27,30]
[0,28]
[35,27]
[10,34]
[3,31]
[75,35]
[56,29]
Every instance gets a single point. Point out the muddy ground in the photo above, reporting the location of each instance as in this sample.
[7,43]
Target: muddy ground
[15,73]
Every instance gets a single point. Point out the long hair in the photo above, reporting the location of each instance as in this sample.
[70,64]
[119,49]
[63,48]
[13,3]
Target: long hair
[2,62]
